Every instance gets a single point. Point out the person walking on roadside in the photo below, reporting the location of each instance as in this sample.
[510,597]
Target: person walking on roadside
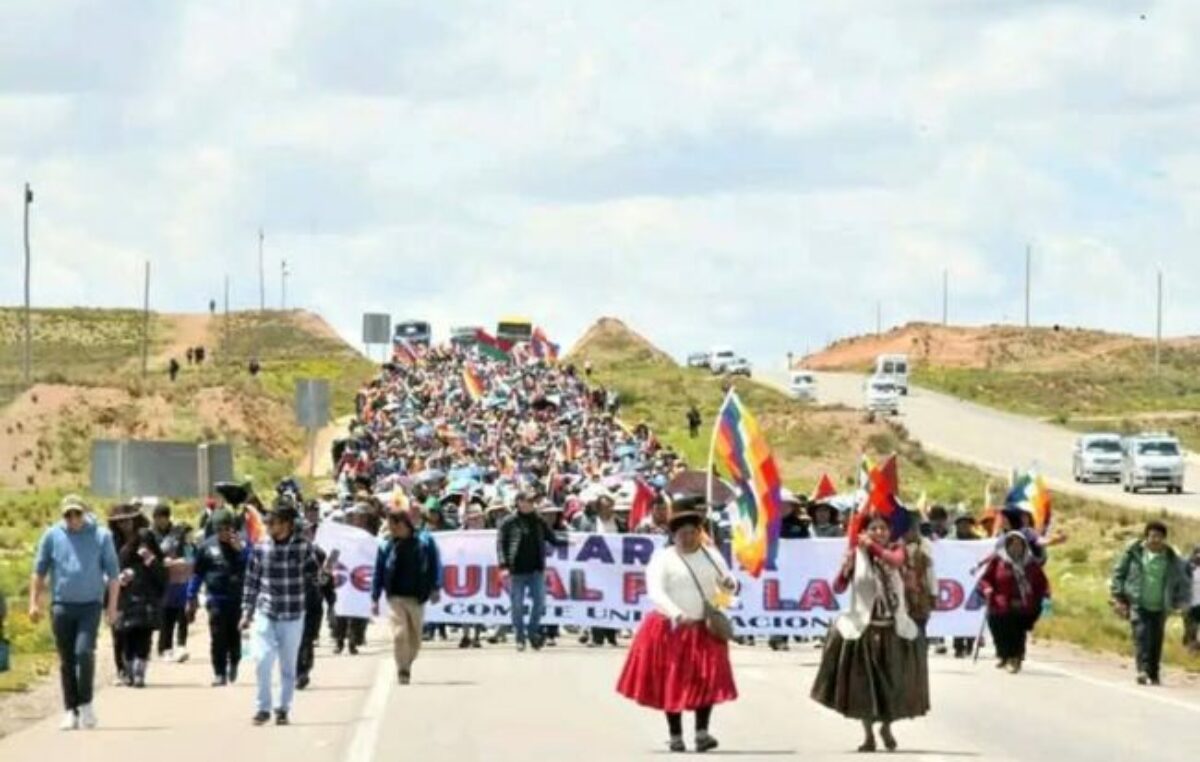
[602,520]
[521,550]
[408,570]
[281,568]
[1149,582]
[78,558]
[178,556]
[221,570]
[693,421]
[143,581]
[1191,620]
[675,663]
[1015,587]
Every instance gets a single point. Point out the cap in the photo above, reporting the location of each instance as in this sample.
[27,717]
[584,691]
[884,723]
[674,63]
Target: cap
[72,504]
[222,518]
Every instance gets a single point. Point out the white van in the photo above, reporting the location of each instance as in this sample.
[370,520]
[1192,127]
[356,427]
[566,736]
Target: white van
[882,396]
[893,368]
[803,385]
[719,357]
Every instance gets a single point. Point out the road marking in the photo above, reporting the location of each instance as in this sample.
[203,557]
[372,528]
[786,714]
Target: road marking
[1139,692]
[366,733]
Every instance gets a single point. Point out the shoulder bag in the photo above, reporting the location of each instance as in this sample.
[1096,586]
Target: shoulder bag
[715,621]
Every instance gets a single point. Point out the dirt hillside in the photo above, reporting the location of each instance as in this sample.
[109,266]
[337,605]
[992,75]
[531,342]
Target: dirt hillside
[987,347]
[609,337]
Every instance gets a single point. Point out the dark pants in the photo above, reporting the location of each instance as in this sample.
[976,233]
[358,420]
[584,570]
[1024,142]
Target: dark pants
[118,641]
[1191,625]
[602,635]
[308,640]
[1148,637]
[136,643]
[226,646]
[675,721]
[964,646]
[174,629]
[75,626]
[1009,632]
[353,629]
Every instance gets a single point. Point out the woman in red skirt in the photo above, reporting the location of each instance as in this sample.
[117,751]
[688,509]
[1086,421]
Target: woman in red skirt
[674,664]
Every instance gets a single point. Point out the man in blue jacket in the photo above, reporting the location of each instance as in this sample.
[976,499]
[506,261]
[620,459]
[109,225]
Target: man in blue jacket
[78,557]
[409,570]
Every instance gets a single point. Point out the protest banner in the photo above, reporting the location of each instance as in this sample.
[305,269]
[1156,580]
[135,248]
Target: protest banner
[599,581]
[355,566]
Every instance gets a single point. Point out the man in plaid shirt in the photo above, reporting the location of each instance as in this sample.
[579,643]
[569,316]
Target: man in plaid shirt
[273,605]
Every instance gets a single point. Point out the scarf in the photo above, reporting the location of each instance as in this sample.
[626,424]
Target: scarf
[1018,567]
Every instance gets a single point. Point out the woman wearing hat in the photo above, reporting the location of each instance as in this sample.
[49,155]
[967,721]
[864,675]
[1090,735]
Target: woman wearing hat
[874,666]
[675,664]
[143,581]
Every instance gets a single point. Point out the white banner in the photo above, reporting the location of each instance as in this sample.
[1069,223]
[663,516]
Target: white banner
[355,566]
[599,581]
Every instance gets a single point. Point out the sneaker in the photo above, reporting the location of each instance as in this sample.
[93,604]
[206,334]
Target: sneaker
[354,649]
[676,745]
[181,655]
[1014,666]
[302,682]
[464,643]
[705,743]
[262,717]
[87,717]
[166,656]
[520,645]
[219,681]
[536,643]
[1143,679]
[405,677]
[70,720]
[281,717]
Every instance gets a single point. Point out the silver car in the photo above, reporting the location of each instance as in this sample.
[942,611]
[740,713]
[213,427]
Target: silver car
[1152,460]
[1097,457]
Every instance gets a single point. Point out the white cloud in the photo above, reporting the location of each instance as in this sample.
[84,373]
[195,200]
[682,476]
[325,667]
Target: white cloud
[758,174]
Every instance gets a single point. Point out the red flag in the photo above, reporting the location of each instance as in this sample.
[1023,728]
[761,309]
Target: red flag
[885,483]
[825,489]
[255,528]
[643,498]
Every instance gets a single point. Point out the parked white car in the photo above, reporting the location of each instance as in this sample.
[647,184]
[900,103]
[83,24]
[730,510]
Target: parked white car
[697,360]
[739,366]
[1152,460]
[882,396]
[1097,457]
[803,385]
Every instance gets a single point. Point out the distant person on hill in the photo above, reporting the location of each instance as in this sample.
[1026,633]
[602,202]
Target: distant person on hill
[191,355]
[173,369]
[1149,582]
[212,306]
[78,557]
[693,421]
[201,353]
[254,367]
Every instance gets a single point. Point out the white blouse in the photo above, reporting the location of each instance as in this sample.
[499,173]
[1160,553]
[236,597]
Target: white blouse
[670,585]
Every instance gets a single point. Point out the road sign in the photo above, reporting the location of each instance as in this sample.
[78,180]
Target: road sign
[128,468]
[377,328]
[312,402]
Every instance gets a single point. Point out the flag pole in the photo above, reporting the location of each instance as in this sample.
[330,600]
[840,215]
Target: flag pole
[712,449]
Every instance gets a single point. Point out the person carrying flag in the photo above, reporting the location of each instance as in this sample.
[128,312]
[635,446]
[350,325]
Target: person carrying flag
[874,667]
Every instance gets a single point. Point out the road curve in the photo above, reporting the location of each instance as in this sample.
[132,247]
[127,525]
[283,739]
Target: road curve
[996,441]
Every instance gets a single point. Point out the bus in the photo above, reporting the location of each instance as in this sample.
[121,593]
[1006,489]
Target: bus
[514,330]
[464,335]
[414,331]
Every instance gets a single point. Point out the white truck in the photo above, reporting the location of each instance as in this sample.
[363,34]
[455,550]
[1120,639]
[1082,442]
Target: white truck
[803,385]
[1152,460]
[719,357]
[893,368]
[882,396]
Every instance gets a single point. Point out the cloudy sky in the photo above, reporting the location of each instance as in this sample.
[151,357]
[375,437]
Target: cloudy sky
[760,174]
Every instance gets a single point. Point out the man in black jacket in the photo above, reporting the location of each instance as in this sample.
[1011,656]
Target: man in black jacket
[221,568]
[409,570]
[521,551]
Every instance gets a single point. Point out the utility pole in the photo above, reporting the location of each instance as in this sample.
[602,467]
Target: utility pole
[226,323]
[1158,328]
[146,324]
[27,356]
[283,276]
[878,318]
[262,282]
[945,297]
[1028,276]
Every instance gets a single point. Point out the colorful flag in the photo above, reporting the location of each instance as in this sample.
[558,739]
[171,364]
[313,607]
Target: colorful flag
[472,382]
[1029,493]
[643,498]
[403,352]
[256,528]
[825,489]
[489,346]
[542,347]
[740,448]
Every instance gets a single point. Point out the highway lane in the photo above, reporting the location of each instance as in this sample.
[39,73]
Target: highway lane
[995,440]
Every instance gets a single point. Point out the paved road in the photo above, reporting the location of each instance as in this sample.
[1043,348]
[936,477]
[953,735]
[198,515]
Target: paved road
[498,705]
[996,441]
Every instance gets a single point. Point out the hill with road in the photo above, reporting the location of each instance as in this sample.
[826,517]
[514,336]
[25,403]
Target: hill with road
[1088,379]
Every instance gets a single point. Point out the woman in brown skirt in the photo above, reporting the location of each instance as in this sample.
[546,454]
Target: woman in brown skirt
[874,666]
